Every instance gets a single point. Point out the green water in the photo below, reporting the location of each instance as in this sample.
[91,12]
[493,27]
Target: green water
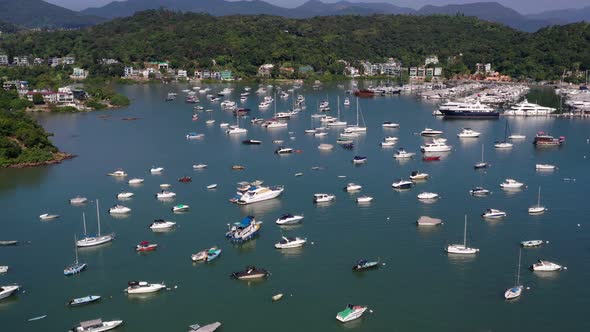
[419,288]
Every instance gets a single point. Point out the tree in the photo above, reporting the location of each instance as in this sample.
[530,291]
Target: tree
[38,99]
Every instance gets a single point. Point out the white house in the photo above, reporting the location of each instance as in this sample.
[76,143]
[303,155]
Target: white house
[432,59]
[3,60]
[79,74]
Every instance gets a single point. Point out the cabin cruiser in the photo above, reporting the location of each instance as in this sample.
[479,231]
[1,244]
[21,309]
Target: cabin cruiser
[96,325]
[435,146]
[359,160]
[48,216]
[159,224]
[402,184]
[428,132]
[164,194]
[531,243]
[403,154]
[543,139]
[260,193]
[6,291]
[142,287]
[244,230]
[118,173]
[290,242]
[323,198]
[283,150]
[125,195]
[479,191]
[493,214]
[545,266]
[156,170]
[351,312]
[389,124]
[135,181]
[416,176]
[233,130]
[251,272]
[528,109]
[78,200]
[427,196]
[180,208]
[511,184]
[468,133]
[289,219]
[352,187]
[364,199]
[119,209]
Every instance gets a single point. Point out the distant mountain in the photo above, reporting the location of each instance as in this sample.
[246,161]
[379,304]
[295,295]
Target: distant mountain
[563,16]
[40,14]
[6,27]
[317,8]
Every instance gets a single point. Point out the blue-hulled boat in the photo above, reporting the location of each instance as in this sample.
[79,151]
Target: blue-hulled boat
[212,254]
[77,267]
[244,230]
[83,300]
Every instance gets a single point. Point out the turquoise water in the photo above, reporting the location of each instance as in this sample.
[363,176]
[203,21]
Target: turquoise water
[420,288]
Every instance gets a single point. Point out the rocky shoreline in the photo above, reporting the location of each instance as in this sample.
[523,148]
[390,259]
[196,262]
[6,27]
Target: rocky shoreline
[57,159]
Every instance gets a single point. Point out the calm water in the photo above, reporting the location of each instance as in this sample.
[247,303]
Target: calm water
[419,289]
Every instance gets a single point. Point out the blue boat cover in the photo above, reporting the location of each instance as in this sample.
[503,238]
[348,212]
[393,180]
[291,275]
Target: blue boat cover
[246,221]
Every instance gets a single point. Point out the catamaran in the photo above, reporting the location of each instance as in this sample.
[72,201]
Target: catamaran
[90,241]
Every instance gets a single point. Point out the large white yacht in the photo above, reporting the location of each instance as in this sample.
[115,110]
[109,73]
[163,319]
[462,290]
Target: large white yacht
[467,110]
[529,109]
[437,145]
[259,194]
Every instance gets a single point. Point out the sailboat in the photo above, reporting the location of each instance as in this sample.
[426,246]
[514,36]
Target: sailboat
[504,144]
[77,267]
[357,127]
[311,129]
[514,292]
[481,164]
[275,123]
[236,129]
[337,123]
[91,241]
[538,209]
[461,248]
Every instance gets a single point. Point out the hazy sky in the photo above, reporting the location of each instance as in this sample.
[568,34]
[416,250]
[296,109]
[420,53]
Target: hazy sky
[523,6]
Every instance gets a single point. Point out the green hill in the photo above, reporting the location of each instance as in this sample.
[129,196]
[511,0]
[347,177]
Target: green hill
[40,14]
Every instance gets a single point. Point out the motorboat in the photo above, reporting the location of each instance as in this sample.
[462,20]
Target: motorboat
[545,167]
[96,325]
[389,124]
[275,124]
[349,135]
[359,159]
[402,184]
[346,101]
[193,135]
[289,219]
[206,255]
[118,173]
[403,154]
[326,147]
[223,125]
[320,134]
[352,187]
[3,269]
[165,185]
[236,130]
[390,139]
[479,191]
[516,136]
[364,199]
[83,300]
[48,216]
[78,200]
[119,209]
[417,176]
[462,249]
[143,287]
[91,241]
[125,195]
[135,181]
[245,230]
[542,139]
[428,196]
[251,142]
[428,132]
[387,144]
[531,243]
[146,246]
[180,208]
[435,146]
[156,170]
[290,242]
[207,328]
[351,312]
[212,186]
[511,184]
[259,194]
[200,166]
[283,150]
[164,194]
[503,145]
[468,133]
[6,291]
[363,264]
[160,224]
[493,214]
[8,242]
[545,266]
[250,273]
[516,290]
[428,221]
[323,198]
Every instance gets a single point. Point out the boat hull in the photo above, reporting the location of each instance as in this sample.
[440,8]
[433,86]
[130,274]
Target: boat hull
[449,114]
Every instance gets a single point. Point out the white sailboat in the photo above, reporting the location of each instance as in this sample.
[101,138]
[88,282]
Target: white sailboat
[514,292]
[338,122]
[482,163]
[91,241]
[357,127]
[538,209]
[461,248]
[236,129]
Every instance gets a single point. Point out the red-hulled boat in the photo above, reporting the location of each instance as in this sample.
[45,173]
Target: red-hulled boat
[542,139]
[146,246]
[185,179]
[431,158]
[364,93]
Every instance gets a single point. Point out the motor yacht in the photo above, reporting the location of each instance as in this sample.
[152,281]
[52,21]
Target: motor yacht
[236,130]
[143,287]
[435,146]
[200,166]
[542,139]
[387,144]
[193,135]
[525,108]
[493,214]
[403,154]
[290,242]
[545,266]
[468,133]
[511,184]
[119,209]
[164,194]
[259,194]
[428,132]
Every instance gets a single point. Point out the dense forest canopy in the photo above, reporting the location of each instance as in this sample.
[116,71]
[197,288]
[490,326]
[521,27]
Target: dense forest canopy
[242,43]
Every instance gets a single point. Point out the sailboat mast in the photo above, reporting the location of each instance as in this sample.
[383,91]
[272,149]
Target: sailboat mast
[76,249]
[539,197]
[465,233]
[518,270]
[84,222]
[357,111]
[482,153]
[98,217]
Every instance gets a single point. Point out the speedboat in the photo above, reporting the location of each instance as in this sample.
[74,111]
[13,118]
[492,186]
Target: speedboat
[428,221]
[323,198]
[359,160]
[531,243]
[135,181]
[96,325]
[511,184]
[545,266]
[212,186]
[283,150]
[402,184]
[364,199]
[351,312]
[545,167]
[118,173]
[389,124]
[289,219]
[416,176]
[403,154]
[207,328]
[428,132]
[468,133]
[290,242]
[180,208]
[427,196]
[78,200]
[493,214]
[260,193]
[83,300]
[48,216]
[479,191]
[143,287]
[160,224]
[352,187]
[156,170]
[146,246]
[6,291]
[363,264]
[164,194]
[119,209]
[125,195]
[199,166]
[251,272]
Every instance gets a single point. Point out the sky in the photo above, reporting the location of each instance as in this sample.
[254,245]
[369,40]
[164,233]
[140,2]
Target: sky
[523,6]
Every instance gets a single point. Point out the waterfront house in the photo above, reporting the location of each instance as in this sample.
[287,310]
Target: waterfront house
[21,61]
[182,74]
[226,75]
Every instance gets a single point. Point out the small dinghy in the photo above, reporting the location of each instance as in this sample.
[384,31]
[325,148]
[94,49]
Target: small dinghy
[83,300]
[363,264]
[250,273]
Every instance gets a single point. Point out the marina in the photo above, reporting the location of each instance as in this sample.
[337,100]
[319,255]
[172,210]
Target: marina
[315,277]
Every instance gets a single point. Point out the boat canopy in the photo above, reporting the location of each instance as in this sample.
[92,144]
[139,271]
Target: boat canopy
[286,215]
[246,221]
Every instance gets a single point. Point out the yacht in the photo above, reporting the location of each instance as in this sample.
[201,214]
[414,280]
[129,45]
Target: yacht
[180,208]
[164,194]
[290,242]
[351,312]
[427,196]
[119,209]
[91,241]
[538,209]
[357,128]
[160,224]
[468,133]
[364,199]
[143,287]
[493,214]
[96,325]
[428,132]
[482,164]
[545,167]
[259,194]
[156,170]
[543,139]
[416,176]
[389,124]
[528,109]
[323,198]
[78,200]
[118,173]
[402,184]
[468,110]
[251,272]
[6,291]
[289,219]
[511,184]
[435,146]
[479,191]
[403,154]
[352,187]
[462,248]
[545,266]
